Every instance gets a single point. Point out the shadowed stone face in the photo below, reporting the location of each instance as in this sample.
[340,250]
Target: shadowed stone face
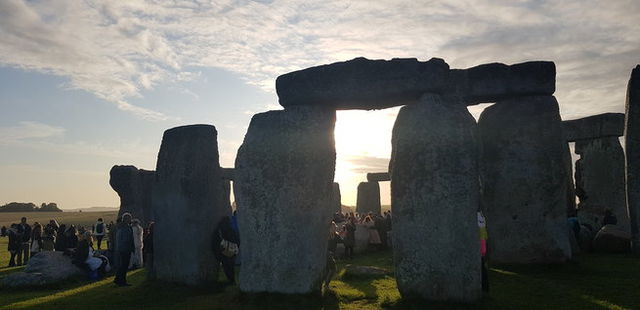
[435,197]
[368,199]
[134,186]
[600,181]
[632,147]
[524,180]
[596,126]
[378,177]
[188,204]
[337,198]
[283,187]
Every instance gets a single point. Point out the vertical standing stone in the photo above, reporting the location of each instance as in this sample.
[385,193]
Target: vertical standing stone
[337,198]
[134,186]
[600,181]
[571,189]
[368,199]
[435,197]
[187,205]
[632,147]
[283,187]
[524,181]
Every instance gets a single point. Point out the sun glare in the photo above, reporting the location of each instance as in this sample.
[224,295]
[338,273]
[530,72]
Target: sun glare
[363,144]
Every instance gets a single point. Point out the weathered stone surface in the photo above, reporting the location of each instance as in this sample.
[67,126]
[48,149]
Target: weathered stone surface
[600,181]
[632,148]
[434,180]
[368,199]
[226,193]
[586,238]
[283,188]
[596,126]
[361,83]
[366,271]
[337,198]
[228,173]
[187,205]
[134,186]
[524,181]
[495,81]
[42,269]
[612,239]
[378,177]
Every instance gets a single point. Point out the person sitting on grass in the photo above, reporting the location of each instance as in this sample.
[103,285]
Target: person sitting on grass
[85,258]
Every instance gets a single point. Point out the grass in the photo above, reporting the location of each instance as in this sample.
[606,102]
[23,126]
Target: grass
[592,281]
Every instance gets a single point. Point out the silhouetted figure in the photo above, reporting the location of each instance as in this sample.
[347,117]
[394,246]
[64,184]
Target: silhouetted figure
[25,246]
[99,232]
[15,241]
[124,249]
[225,247]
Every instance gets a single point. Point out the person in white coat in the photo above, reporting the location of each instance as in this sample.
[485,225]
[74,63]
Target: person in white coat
[138,232]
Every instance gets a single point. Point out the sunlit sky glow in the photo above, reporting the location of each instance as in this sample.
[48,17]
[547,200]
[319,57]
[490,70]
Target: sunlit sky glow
[88,84]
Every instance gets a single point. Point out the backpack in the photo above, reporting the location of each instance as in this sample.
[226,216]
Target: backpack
[229,249]
[100,228]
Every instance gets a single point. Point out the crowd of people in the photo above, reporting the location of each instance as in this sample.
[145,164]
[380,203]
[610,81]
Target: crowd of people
[343,230]
[125,244]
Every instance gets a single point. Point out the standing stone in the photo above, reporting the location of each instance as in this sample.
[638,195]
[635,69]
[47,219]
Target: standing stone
[524,180]
[378,177]
[632,147]
[134,186]
[283,187]
[187,205]
[435,197]
[600,181]
[571,189]
[226,193]
[337,198]
[368,199]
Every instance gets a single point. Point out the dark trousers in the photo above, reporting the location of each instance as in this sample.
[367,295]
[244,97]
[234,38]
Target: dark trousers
[99,238]
[23,253]
[121,269]
[12,261]
[227,266]
[485,275]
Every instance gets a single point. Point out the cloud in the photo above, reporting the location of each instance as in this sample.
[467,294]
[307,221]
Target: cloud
[117,49]
[27,130]
[366,164]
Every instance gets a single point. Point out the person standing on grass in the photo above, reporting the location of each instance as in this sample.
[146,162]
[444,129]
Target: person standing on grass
[36,239]
[225,247]
[138,232]
[48,238]
[99,232]
[15,241]
[25,246]
[148,251]
[71,236]
[482,225]
[350,237]
[3,231]
[124,249]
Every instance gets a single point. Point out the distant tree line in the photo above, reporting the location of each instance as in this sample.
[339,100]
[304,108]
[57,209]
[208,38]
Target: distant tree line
[30,207]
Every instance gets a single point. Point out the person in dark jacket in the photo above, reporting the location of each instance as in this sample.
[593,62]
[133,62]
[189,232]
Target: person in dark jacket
[124,249]
[147,250]
[25,246]
[71,236]
[61,239]
[609,218]
[15,240]
[225,232]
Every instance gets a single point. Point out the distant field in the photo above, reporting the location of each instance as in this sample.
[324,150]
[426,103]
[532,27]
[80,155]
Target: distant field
[76,218]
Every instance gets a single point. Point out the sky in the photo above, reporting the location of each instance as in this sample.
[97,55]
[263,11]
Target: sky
[85,85]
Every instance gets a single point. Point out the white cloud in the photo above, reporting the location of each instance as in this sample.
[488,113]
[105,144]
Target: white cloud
[117,49]
[27,130]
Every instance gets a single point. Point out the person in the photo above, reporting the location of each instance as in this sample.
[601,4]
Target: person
[111,235]
[85,257]
[124,249]
[36,239]
[334,237]
[99,232]
[225,247]
[350,237]
[381,227]
[3,231]
[25,246]
[147,250]
[374,236]
[138,232]
[609,218]
[15,241]
[61,238]
[482,225]
[49,238]
[71,237]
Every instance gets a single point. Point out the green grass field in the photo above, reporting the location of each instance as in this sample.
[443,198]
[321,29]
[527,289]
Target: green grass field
[593,281]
